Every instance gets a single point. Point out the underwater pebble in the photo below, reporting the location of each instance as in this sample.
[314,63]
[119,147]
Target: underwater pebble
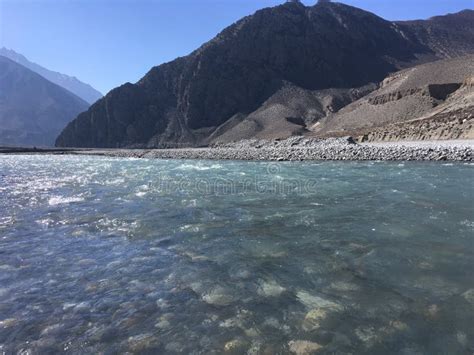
[7,323]
[162,304]
[303,347]
[469,296]
[313,319]
[270,289]
[142,342]
[174,347]
[343,286]
[3,292]
[367,334]
[235,346]
[272,322]
[251,332]
[312,301]
[51,329]
[461,338]
[163,324]
[218,296]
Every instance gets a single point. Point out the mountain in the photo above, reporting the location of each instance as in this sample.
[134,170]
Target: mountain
[282,58]
[449,36]
[33,110]
[84,91]
[429,101]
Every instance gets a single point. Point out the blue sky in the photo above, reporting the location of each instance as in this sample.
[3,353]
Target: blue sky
[109,42]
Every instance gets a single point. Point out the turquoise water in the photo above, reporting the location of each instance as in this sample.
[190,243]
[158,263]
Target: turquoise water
[102,255]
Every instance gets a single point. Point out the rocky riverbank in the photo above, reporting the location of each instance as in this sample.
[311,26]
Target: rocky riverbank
[300,148]
[293,149]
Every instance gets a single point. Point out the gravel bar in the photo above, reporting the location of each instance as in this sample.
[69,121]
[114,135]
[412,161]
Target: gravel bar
[300,149]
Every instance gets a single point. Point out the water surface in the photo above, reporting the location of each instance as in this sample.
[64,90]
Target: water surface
[201,257]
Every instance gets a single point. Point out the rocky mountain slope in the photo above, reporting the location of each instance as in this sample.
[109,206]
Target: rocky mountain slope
[267,75]
[72,84]
[33,110]
[429,101]
[449,36]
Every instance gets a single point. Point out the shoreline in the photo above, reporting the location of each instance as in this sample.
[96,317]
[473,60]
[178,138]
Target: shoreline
[291,149]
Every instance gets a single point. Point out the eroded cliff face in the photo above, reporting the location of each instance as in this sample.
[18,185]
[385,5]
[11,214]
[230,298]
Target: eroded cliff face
[457,124]
[189,100]
[451,119]
[423,102]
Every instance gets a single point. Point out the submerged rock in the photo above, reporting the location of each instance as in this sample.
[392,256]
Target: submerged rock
[461,337]
[238,321]
[313,319]
[251,332]
[7,323]
[236,346]
[195,257]
[396,325]
[3,292]
[163,324]
[469,296]
[162,304]
[368,335]
[320,308]
[270,289]
[311,301]
[255,349]
[142,342]
[303,347]
[343,286]
[240,274]
[272,322]
[174,347]
[436,285]
[52,329]
[231,323]
[218,296]
[432,312]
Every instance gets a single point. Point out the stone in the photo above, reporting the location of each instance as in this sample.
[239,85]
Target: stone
[142,342]
[251,332]
[163,324]
[368,335]
[320,308]
[398,325]
[313,319]
[9,322]
[219,296]
[469,296]
[271,322]
[52,329]
[270,288]
[461,337]
[255,349]
[174,347]
[82,307]
[162,304]
[236,346]
[195,257]
[304,347]
[432,311]
[344,286]
[311,301]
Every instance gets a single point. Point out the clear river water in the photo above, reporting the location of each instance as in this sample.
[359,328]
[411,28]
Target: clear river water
[110,255]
